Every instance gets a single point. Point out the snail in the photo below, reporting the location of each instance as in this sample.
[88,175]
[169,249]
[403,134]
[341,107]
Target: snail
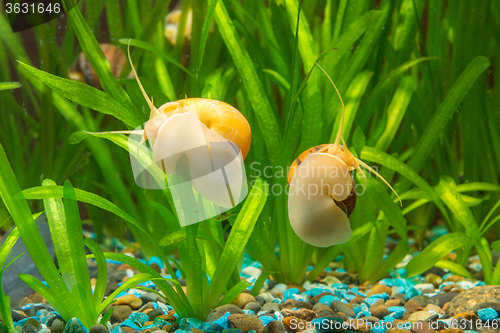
[172,21]
[322,193]
[82,71]
[213,135]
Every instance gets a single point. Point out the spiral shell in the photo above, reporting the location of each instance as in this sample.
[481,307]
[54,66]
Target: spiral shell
[82,71]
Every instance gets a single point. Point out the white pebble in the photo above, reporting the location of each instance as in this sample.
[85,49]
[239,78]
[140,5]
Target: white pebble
[251,271]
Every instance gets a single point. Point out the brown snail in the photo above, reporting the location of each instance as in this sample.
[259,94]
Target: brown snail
[82,71]
[322,192]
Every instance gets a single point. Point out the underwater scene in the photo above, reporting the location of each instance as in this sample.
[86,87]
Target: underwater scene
[249,166]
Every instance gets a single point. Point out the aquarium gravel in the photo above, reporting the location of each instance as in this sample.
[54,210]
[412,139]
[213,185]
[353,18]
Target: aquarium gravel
[334,302]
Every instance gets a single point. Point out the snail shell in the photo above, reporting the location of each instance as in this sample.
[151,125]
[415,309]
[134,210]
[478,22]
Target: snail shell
[171,23]
[82,71]
[204,141]
[347,205]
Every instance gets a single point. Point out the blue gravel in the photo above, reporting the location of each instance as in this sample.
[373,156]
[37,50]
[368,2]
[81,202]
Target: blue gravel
[487,314]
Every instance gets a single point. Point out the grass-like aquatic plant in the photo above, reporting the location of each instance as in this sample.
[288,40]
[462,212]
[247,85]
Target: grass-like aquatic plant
[68,288]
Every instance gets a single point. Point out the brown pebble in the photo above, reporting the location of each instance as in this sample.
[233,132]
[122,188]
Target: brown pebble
[452,330]
[155,267]
[357,299]
[295,285]
[168,317]
[195,330]
[434,308]
[294,324]
[121,312]
[454,278]
[246,323]
[291,303]
[305,314]
[123,267]
[243,299]
[131,300]
[380,289]
[412,307]
[455,288]
[380,301]
[146,307]
[435,279]
[445,306]
[393,302]
[167,328]
[326,312]
[274,327]
[398,330]
[422,327]
[463,319]
[467,300]
[380,311]
[318,297]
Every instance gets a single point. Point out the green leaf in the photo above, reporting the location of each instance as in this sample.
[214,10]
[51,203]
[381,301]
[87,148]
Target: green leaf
[358,140]
[382,89]
[142,155]
[9,242]
[5,312]
[257,286]
[107,316]
[496,245]
[454,268]
[54,299]
[102,272]
[396,111]
[177,300]
[206,29]
[445,111]
[240,233]
[258,98]
[83,196]
[394,216]
[18,208]
[131,282]
[436,251]
[233,292]
[453,200]
[158,52]
[78,266]
[98,61]
[478,186]
[84,95]
[56,218]
[9,85]
[377,156]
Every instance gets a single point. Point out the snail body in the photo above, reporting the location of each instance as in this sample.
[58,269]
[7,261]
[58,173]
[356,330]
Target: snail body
[82,71]
[322,193]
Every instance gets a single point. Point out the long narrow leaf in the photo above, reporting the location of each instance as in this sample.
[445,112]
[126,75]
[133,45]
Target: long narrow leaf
[436,251]
[84,95]
[235,245]
[258,98]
